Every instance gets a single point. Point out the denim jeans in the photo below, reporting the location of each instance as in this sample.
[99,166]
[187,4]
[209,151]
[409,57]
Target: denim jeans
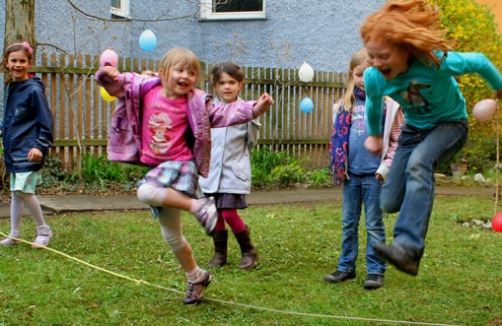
[409,187]
[357,190]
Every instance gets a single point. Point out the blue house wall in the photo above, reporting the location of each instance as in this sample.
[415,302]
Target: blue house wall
[323,33]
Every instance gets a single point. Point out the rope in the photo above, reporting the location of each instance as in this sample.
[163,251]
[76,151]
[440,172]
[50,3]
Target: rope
[224,302]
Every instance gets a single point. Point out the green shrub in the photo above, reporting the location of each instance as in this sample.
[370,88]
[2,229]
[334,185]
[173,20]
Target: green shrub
[280,170]
[473,26]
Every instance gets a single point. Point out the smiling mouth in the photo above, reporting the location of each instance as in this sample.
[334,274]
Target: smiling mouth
[385,71]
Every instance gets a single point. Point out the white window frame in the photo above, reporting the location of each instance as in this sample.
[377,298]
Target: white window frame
[123,11]
[206,13]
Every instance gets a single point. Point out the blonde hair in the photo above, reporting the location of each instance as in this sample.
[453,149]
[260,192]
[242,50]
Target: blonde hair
[409,24]
[179,56]
[348,100]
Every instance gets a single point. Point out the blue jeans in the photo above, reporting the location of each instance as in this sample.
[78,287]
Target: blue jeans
[356,191]
[409,187]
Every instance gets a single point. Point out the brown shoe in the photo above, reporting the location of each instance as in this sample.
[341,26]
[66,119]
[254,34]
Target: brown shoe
[220,239]
[249,254]
[398,256]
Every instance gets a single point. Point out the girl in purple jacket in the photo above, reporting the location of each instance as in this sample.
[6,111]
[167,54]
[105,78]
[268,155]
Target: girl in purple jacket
[176,140]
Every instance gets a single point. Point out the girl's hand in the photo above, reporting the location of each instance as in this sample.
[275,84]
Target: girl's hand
[111,74]
[35,155]
[374,144]
[379,177]
[263,105]
[498,94]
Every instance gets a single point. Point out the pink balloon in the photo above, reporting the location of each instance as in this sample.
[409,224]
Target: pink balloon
[484,109]
[108,58]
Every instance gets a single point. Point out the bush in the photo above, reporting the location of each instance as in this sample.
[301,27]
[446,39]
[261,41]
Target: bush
[473,26]
[96,175]
[279,170]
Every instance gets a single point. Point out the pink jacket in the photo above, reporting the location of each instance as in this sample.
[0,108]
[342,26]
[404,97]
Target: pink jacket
[124,140]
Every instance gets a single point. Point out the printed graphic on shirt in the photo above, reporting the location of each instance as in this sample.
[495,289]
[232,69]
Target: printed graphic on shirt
[159,124]
[358,128]
[414,98]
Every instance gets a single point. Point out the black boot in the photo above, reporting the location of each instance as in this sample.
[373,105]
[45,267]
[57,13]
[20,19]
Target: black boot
[249,254]
[220,249]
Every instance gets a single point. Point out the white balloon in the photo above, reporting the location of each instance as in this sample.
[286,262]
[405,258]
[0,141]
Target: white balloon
[306,73]
[484,109]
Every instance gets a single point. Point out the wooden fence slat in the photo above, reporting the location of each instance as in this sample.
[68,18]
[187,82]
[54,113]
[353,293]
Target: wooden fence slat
[82,116]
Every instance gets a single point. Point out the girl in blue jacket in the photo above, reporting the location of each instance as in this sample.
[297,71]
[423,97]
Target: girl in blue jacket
[27,130]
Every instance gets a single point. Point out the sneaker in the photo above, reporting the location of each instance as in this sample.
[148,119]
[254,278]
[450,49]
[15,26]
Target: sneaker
[207,215]
[42,240]
[373,282]
[398,256]
[339,276]
[8,242]
[195,290]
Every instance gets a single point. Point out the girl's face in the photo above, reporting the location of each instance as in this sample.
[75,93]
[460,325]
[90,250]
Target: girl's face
[18,65]
[389,59]
[228,88]
[357,75]
[180,80]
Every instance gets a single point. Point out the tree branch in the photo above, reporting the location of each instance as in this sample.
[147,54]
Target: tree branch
[116,20]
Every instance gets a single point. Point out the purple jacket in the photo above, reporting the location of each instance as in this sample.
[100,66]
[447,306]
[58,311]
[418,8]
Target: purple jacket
[124,140]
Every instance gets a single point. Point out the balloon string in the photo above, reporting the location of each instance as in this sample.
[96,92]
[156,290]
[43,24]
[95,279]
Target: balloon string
[497,170]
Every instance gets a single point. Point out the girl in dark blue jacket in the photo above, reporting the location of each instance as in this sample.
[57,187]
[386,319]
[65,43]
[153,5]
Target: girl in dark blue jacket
[27,129]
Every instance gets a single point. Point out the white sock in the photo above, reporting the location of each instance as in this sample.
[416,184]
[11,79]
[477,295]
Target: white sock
[16,212]
[195,274]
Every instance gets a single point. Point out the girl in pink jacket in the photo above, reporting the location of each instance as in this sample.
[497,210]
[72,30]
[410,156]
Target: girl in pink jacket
[175,139]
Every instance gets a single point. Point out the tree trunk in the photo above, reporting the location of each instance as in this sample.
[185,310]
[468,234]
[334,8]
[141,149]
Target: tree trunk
[20,22]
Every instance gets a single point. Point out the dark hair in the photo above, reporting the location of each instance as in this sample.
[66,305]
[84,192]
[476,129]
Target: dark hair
[14,47]
[227,67]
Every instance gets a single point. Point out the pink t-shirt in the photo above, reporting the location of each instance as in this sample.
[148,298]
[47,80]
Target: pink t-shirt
[164,123]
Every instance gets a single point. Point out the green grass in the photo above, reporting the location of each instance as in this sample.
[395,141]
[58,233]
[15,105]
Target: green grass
[459,282]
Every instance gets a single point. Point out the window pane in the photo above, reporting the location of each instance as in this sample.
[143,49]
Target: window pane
[116,4]
[237,5]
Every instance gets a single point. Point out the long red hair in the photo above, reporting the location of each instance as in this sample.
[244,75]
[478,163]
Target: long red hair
[410,24]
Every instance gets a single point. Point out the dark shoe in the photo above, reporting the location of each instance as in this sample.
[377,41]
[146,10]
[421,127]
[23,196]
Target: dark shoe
[207,214]
[338,276]
[397,256]
[373,282]
[196,289]
[249,254]
[220,239]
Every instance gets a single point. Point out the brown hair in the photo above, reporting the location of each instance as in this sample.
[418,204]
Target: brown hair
[230,68]
[410,24]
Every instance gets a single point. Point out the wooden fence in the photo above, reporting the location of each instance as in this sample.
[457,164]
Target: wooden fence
[82,116]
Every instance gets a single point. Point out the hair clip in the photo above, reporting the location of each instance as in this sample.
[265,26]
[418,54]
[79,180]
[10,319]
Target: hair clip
[28,47]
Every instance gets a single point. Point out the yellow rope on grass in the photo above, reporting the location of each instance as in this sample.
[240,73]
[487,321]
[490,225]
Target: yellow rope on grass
[304,314]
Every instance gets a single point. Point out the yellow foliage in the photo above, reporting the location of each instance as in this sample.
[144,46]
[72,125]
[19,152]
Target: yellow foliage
[475,29]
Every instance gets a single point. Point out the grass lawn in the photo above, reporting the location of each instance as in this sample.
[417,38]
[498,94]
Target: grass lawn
[459,282]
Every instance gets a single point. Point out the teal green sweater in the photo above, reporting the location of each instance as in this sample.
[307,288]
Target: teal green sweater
[427,95]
